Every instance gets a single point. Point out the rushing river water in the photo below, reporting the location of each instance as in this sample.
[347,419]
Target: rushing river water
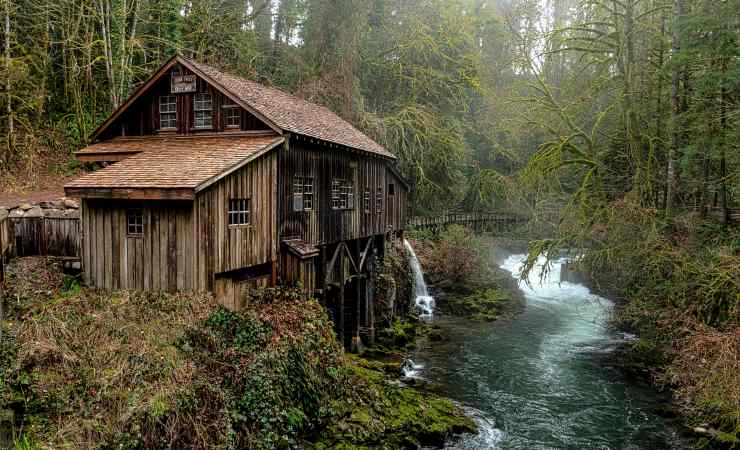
[539,380]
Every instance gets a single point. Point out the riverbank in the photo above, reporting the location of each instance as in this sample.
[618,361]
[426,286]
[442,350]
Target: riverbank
[84,369]
[542,379]
[461,269]
[676,283]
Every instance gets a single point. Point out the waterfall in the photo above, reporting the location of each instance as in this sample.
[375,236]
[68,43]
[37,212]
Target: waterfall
[423,301]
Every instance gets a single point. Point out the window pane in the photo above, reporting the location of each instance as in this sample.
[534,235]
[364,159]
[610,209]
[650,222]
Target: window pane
[238,211]
[167,111]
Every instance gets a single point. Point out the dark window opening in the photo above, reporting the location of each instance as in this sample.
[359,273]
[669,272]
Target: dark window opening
[391,189]
[168,112]
[302,193]
[203,107]
[134,222]
[239,211]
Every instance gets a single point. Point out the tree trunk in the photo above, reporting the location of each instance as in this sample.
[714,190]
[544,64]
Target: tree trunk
[9,104]
[671,175]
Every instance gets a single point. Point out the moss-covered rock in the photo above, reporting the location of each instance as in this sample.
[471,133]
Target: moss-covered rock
[377,414]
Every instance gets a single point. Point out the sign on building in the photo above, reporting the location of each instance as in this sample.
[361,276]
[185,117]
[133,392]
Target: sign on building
[183,83]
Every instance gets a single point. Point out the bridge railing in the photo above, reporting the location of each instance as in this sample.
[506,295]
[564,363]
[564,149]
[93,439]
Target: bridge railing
[476,221]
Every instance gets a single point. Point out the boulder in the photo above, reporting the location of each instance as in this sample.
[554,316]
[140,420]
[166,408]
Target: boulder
[54,213]
[17,213]
[71,204]
[34,212]
[73,213]
[25,206]
[53,204]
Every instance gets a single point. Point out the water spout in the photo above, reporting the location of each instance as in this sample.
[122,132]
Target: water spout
[423,301]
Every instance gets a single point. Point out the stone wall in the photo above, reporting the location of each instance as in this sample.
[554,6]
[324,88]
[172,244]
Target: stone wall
[64,207]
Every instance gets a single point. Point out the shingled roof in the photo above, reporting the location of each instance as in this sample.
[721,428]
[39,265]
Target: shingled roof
[176,162]
[292,113]
[280,110]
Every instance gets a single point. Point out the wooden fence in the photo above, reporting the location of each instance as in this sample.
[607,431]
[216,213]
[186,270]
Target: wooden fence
[39,236]
[477,221]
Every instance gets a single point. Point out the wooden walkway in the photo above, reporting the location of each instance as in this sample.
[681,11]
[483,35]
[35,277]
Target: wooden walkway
[493,221]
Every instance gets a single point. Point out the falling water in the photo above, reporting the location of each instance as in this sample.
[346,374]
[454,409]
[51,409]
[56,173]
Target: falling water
[423,301]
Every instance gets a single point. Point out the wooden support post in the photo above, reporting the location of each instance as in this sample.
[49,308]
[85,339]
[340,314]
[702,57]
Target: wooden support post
[341,298]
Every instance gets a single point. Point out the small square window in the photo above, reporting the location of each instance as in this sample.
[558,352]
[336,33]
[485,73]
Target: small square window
[134,222]
[239,211]
[232,116]
[168,112]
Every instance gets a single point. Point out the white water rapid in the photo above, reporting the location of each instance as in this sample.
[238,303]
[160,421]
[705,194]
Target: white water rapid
[423,301]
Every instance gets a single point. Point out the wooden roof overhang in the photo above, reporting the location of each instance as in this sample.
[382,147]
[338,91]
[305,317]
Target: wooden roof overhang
[176,171]
[148,193]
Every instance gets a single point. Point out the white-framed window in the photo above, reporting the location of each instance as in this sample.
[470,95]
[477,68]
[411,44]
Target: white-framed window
[134,222]
[367,201]
[342,194]
[379,200]
[302,193]
[168,112]
[203,107]
[239,211]
[232,115]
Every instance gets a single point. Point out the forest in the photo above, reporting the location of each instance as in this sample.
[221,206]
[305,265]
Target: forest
[618,117]
[507,103]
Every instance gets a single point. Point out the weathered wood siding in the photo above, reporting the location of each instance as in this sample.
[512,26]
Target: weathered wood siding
[142,117]
[44,236]
[323,225]
[296,271]
[161,259]
[224,248]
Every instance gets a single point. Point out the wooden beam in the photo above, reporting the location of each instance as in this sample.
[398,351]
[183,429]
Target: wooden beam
[131,193]
[365,253]
[330,266]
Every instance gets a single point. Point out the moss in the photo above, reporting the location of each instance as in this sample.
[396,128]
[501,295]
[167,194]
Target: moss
[378,414]
[86,369]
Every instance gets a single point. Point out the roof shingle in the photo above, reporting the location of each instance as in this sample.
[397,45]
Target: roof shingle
[292,113]
[177,162]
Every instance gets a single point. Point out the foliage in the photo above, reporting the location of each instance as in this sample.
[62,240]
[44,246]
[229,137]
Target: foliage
[85,369]
[453,259]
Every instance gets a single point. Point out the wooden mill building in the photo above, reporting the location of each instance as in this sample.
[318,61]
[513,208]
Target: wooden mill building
[216,183]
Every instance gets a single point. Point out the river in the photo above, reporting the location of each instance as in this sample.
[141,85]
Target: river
[541,380]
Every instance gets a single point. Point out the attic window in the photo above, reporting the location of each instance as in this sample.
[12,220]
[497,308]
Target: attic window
[168,112]
[239,211]
[232,115]
[203,107]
